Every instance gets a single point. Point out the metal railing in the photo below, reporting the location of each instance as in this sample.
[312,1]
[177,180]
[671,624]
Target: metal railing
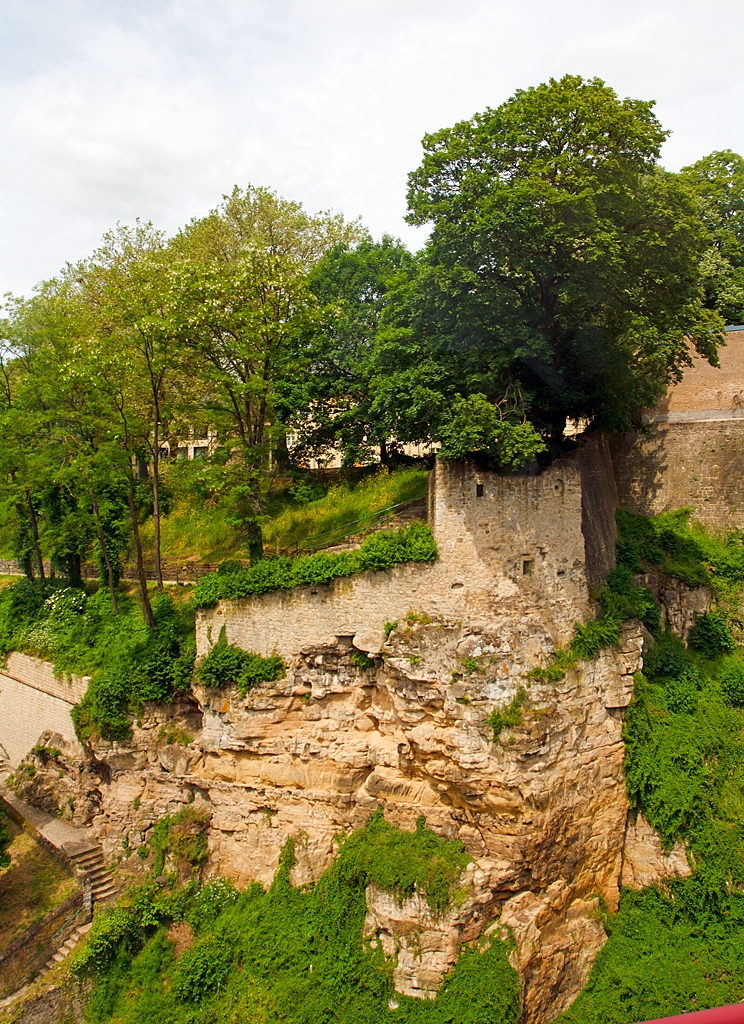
[189,572]
[382,517]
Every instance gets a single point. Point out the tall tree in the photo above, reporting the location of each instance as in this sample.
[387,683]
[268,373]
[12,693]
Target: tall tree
[331,404]
[718,180]
[240,282]
[562,257]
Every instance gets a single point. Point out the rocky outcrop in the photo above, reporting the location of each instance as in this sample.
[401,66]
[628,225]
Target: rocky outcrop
[542,810]
[645,861]
[391,681]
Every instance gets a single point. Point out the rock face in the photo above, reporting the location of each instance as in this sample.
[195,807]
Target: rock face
[542,811]
[645,860]
[391,681]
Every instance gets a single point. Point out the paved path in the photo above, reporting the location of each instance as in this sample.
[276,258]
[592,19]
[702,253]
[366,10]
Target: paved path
[70,840]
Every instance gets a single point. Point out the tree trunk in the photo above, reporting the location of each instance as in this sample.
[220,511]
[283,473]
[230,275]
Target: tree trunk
[35,534]
[384,459]
[107,560]
[156,495]
[255,541]
[140,564]
[75,570]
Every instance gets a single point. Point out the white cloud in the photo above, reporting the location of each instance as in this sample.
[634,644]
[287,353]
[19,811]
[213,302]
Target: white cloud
[109,110]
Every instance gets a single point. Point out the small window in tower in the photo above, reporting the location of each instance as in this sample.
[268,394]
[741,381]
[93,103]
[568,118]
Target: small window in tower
[528,566]
[479,490]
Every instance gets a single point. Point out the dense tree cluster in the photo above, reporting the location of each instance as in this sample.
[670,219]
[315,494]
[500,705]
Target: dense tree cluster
[566,275]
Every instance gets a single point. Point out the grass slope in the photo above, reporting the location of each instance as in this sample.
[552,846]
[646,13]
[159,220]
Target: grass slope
[33,885]
[201,527]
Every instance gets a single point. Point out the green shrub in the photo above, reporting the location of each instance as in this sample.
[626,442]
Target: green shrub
[509,717]
[203,968]
[377,552]
[227,664]
[710,635]
[667,656]
[297,954]
[362,660]
[589,639]
[182,836]
[732,682]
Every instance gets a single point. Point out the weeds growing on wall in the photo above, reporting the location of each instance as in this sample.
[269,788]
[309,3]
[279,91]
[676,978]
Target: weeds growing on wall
[227,664]
[290,954]
[378,551]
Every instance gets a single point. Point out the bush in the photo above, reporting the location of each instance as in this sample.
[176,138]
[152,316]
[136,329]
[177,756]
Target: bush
[509,717]
[203,968]
[710,635]
[297,954]
[227,664]
[667,657]
[732,682]
[377,552]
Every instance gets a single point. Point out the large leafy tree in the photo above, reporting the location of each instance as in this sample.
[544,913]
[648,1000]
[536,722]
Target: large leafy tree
[240,285]
[718,180]
[563,262]
[332,403]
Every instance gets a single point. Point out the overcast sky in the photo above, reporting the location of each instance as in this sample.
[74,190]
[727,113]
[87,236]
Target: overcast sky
[154,108]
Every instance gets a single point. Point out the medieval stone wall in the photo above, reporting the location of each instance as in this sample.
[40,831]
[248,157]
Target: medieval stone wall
[32,701]
[692,454]
[510,548]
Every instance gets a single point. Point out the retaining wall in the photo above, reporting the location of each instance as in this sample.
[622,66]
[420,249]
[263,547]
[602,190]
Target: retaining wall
[692,452]
[25,957]
[33,700]
[511,548]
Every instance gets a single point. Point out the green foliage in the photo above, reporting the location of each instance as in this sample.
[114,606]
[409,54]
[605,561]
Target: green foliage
[390,627]
[227,664]
[377,552]
[710,635]
[197,523]
[362,660]
[509,717]
[671,950]
[665,542]
[292,954]
[476,427]
[182,836]
[5,841]
[718,180]
[403,862]
[559,247]
[78,631]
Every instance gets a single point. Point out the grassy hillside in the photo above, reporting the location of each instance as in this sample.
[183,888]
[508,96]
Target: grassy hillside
[294,955]
[199,526]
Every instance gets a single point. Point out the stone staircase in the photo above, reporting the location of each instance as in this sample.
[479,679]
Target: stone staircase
[90,861]
[67,947]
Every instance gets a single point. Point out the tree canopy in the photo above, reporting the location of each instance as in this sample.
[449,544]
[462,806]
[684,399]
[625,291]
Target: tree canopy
[562,257]
[566,274]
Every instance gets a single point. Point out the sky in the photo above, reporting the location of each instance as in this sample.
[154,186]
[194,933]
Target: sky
[155,108]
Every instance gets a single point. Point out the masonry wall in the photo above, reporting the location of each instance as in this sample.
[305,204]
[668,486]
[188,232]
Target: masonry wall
[692,452]
[33,700]
[511,549]
[684,465]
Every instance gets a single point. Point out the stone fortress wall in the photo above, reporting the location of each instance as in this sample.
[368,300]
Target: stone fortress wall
[33,700]
[692,455]
[517,549]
